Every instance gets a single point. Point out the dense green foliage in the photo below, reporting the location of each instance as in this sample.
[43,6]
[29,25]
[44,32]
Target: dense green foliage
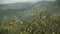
[42,24]
[39,20]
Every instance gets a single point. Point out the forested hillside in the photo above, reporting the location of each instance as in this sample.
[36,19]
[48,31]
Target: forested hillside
[54,8]
[23,10]
[24,5]
[42,18]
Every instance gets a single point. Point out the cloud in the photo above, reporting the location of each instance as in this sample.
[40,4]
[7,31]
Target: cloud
[1,0]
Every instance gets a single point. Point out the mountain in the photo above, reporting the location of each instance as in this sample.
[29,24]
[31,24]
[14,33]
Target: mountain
[42,4]
[54,8]
[16,6]
[24,5]
[23,10]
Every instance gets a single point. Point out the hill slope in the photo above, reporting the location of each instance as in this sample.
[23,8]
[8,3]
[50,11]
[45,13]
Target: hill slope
[54,8]
[21,9]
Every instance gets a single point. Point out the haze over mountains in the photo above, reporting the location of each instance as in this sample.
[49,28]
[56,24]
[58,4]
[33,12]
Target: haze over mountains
[24,5]
[14,1]
[22,9]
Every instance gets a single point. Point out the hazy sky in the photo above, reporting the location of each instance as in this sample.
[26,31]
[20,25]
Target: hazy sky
[13,1]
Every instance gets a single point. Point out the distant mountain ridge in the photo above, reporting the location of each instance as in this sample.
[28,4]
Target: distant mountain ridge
[15,5]
[24,5]
[23,10]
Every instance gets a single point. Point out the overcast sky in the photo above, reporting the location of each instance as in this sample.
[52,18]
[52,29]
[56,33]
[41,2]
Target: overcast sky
[13,1]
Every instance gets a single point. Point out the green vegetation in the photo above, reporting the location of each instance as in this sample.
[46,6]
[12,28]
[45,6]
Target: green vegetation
[42,24]
[39,20]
